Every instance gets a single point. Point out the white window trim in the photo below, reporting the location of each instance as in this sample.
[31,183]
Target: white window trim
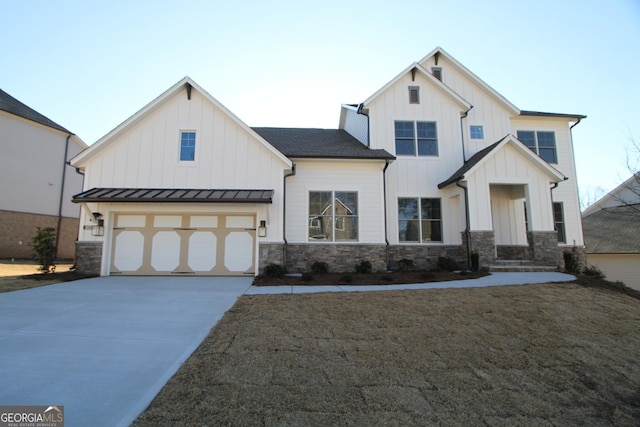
[195,151]
[334,219]
[415,139]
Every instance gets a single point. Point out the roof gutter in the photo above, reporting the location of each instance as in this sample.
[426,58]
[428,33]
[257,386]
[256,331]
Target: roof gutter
[284,214]
[467,229]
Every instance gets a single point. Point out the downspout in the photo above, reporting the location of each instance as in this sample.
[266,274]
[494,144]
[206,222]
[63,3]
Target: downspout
[64,172]
[384,203]
[463,116]
[284,214]
[467,230]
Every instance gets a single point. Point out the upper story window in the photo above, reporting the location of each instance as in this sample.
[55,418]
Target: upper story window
[333,215]
[414,95]
[477,132]
[416,137]
[419,220]
[187,146]
[543,143]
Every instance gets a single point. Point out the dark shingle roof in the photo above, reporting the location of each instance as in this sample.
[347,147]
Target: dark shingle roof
[182,195]
[474,160]
[11,105]
[614,230]
[319,143]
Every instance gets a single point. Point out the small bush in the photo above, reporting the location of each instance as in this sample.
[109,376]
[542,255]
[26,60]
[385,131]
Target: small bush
[346,278]
[571,261]
[319,267]
[273,270]
[306,277]
[447,264]
[44,248]
[592,270]
[363,267]
[405,264]
[475,261]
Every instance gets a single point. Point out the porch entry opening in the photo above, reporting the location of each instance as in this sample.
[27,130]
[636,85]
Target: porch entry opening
[509,219]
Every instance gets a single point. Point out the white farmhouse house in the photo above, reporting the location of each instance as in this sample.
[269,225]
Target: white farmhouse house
[37,183]
[434,164]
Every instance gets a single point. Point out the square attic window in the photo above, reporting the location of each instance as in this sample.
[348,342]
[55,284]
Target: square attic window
[477,132]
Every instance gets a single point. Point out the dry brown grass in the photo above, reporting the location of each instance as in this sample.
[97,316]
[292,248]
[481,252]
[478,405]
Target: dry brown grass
[554,354]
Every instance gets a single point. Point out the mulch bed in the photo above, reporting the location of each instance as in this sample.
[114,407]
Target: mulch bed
[362,279]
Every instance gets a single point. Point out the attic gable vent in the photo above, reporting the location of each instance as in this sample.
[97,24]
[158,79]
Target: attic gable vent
[437,72]
[414,95]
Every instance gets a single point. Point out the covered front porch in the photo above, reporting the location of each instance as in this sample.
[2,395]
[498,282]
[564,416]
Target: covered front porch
[509,206]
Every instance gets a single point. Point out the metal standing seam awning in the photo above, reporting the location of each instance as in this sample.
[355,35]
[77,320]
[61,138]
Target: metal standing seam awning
[173,195]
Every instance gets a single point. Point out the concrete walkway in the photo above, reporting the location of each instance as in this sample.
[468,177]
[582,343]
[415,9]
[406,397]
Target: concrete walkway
[494,279]
[104,347]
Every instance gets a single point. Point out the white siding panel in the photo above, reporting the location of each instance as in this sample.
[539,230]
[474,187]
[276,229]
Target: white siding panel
[365,178]
[356,125]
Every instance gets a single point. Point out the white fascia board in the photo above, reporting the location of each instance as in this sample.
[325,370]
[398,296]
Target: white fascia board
[465,105]
[488,89]
[553,173]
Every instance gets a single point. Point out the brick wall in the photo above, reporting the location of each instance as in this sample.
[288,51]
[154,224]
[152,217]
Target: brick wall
[17,227]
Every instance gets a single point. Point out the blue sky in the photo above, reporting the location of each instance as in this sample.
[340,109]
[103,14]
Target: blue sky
[89,65]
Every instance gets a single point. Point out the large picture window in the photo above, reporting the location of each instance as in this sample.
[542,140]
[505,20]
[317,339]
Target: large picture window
[333,215]
[543,143]
[419,220]
[416,137]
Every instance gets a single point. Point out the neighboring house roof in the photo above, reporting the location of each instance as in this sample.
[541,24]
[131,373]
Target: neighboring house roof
[11,105]
[614,230]
[626,193]
[165,195]
[463,103]
[477,159]
[190,85]
[319,143]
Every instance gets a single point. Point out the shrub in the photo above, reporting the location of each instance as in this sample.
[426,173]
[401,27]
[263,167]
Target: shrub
[306,277]
[346,278]
[44,248]
[405,264]
[319,267]
[571,262]
[475,261]
[592,270]
[273,270]
[363,267]
[447,264]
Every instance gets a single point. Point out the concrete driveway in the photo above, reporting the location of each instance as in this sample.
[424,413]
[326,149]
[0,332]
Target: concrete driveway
[104,347]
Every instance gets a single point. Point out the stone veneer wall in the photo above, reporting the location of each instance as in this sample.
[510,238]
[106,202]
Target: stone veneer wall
[16,227]
[425,257]
[269,253]
[341,258]
[88,257]
[482,243]
[544,247]
[513,252]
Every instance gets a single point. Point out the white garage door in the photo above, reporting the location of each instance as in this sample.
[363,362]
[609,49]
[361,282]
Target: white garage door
[205,245]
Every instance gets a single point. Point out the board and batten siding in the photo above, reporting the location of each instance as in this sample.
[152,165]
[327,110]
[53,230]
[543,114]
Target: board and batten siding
[146,155]
[363,177]
[567,191]
[487,111]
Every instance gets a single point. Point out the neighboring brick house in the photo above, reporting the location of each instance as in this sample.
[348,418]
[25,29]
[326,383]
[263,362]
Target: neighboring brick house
[37,183]
[612,233]
[435,163]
